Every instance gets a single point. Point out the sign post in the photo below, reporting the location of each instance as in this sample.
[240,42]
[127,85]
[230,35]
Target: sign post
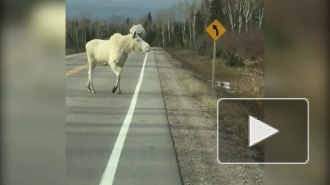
[215,30]
[214,51]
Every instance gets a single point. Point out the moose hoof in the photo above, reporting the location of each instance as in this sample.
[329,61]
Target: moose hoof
[114,89]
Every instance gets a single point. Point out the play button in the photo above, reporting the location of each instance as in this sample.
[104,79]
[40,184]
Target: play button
[259,131]
[263,131]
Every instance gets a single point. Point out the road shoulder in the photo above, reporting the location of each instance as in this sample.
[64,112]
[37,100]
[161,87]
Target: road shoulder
[194,133]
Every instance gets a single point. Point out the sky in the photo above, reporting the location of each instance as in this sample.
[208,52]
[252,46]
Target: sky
[107,8]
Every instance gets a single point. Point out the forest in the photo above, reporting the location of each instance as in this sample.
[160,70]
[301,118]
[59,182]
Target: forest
[182,26]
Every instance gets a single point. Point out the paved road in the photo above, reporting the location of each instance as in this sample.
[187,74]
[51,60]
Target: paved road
[142,155]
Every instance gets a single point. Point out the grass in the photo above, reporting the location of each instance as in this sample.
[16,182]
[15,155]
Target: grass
[199,90]
[231,60]
[247,81]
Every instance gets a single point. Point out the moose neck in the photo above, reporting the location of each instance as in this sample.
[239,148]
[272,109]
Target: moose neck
[128,44]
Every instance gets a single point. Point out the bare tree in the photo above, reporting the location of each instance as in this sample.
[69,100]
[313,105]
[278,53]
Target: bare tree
[193,23]
[85,22]
[239,12]
[248,6]
[169,30]
[172,12]
[186,21]
[170,20]
[205,12]
[182,12]
[261,11]
[162,14]
[189,22]
[228,10]
[75,33]
[160,21]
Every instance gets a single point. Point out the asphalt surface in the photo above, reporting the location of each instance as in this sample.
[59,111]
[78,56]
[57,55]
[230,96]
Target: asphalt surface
[93,123]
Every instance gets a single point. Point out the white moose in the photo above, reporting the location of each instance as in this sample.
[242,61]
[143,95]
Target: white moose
[114,52]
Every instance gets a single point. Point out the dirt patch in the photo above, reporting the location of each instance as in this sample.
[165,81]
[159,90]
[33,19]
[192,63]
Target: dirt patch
[194,128]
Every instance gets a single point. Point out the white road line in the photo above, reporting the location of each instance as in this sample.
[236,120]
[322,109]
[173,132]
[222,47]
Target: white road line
[110,170]
[74,55]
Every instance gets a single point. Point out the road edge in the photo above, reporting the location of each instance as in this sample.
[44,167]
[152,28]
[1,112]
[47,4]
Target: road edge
[168,123]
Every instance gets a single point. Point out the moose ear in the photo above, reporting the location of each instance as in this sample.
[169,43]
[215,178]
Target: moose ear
[134,34]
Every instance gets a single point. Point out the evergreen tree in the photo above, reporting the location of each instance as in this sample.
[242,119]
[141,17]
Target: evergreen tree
[127,26]
[216,11]
[199,23]
[149,17]
[147,26]
[148,22]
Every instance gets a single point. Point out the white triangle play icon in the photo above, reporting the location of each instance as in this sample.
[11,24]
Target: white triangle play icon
[259,131]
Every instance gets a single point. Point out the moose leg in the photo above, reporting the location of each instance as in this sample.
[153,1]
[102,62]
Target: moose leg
[118,79]
[91,75]
[88,86]
[117,71]
[91,66]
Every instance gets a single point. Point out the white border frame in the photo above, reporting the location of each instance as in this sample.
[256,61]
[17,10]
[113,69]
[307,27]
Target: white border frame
[304,99]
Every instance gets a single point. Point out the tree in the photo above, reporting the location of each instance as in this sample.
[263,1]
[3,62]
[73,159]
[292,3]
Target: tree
[228,10]
[192,23]
[160,22]
[184,14]
[76,31]
[170,22]
[127,21]
[127,25]
[261,11]
[205,12]
[239,12]
[216,11]
[248,6]
[148,22]
[200,24]
[180,25]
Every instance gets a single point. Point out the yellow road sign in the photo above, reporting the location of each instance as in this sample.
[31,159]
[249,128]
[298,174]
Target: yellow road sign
[215,30]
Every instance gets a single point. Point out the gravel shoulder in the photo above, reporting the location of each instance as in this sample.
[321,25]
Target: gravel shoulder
[194,133]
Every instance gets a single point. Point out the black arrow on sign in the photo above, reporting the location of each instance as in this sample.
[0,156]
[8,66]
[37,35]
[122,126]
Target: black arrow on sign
[216,29]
